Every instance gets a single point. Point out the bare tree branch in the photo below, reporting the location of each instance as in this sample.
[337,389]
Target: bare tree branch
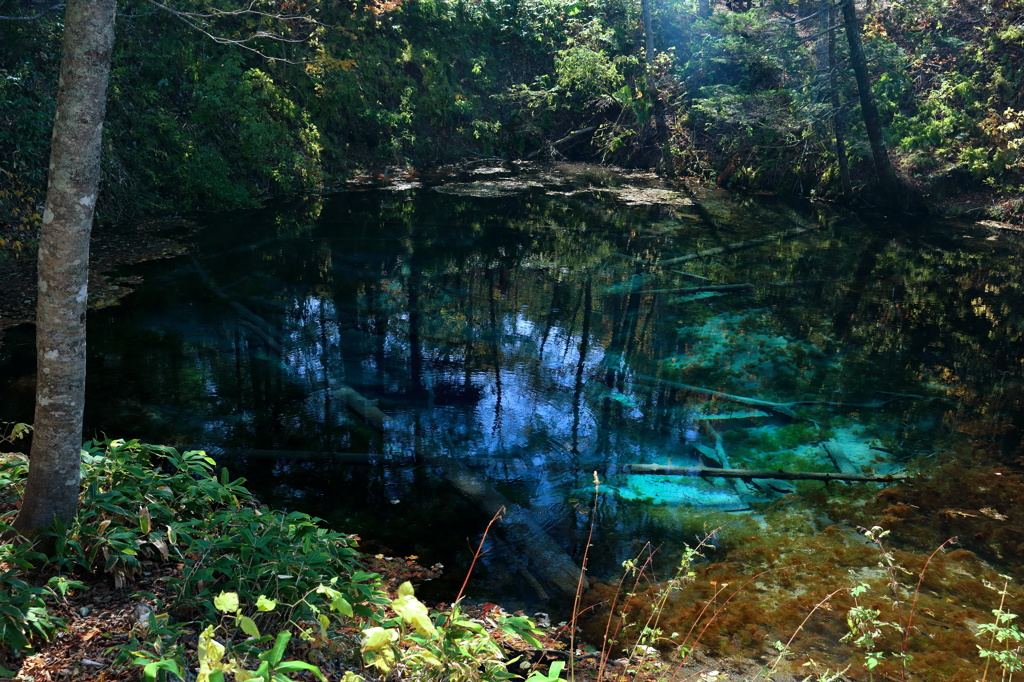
[33,17]
[199,21]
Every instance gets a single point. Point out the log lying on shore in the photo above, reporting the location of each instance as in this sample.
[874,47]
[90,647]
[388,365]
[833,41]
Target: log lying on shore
[565,140]
[708,472]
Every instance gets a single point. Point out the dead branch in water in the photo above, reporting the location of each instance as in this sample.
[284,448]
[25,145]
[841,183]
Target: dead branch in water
[747,474]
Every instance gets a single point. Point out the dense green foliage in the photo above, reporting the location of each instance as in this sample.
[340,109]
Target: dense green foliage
[264,576]
[197,121]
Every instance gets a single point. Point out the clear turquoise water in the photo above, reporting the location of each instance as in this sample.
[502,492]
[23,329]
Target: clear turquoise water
[526,336]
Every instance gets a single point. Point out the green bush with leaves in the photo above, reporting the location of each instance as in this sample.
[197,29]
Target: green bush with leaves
[218,659]
[132,494]
[254,552]
[25,619]
[448,646]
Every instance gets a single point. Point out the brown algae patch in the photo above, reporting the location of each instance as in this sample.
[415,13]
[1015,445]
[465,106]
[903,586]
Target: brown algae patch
[815,592]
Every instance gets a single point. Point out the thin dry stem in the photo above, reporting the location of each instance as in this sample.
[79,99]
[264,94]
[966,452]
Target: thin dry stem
[479,551]
[581,581]
[917,593]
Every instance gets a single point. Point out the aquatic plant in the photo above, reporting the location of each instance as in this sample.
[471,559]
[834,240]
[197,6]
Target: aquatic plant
[877,611]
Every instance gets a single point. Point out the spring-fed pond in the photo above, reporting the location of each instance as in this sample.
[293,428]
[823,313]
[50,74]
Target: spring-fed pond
[404,360]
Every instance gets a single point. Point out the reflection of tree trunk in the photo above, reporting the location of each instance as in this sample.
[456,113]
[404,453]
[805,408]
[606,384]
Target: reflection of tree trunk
[632,323]
[496,347]
[380,328]
[325,362]
[468,306]
[577,396]
[653,95]
[413,283]
[550,321]
[846,310]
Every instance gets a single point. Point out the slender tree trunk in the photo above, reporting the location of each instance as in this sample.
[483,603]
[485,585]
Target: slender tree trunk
[838,115]
[654,97]
[704,8]
[879,154]
[54,478]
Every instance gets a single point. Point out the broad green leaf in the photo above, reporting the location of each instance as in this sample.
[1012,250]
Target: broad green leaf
[276,652]
[248,626]
[405,590]
[340,605]
[294,666]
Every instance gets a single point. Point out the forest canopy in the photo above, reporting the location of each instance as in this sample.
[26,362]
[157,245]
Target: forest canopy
[213,110]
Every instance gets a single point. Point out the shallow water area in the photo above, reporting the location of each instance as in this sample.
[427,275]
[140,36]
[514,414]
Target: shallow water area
[405,361]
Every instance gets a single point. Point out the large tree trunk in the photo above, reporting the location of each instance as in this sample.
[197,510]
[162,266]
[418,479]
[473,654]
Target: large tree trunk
[54,477]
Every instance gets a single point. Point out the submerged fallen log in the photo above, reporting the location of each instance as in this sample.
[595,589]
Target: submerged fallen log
[541,561]
[736,246]
[838,456]
[743,286]
[780,408]
[534,550]
[458,469]
[363,406]
[747,474]
[783,408]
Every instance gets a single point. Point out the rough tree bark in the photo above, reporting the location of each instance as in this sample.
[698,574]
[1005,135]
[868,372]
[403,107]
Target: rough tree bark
[54,478]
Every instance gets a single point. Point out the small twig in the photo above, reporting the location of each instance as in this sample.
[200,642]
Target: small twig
[479,551]
[917,592]
[785,648]
[193,19]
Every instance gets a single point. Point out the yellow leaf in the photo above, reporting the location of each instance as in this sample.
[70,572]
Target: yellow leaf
[413,612]
[376,638]
[265,604]
[226,602]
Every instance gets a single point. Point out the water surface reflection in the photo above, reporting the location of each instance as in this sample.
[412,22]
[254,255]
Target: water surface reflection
[532,338]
